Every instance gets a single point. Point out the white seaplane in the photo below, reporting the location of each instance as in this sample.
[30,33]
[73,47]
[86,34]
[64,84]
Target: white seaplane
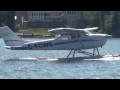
[72,39]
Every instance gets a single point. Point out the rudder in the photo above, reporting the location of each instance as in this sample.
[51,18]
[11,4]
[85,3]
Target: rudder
[10,38]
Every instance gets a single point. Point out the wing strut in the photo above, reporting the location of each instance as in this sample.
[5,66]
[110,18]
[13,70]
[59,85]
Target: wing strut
[84,52]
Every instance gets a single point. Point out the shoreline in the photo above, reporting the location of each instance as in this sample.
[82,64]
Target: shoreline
[34,36]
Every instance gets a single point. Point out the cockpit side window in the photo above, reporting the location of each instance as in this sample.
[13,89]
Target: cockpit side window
[73,35]
[63,37]
[68,36]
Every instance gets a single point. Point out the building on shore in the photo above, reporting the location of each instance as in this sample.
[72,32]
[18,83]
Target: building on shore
[49,19]
[22,18]
[52,19]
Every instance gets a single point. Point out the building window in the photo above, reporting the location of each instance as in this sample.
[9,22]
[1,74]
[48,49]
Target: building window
[71,23]
[47,16]
[40,15]
[37,17]
[32,15]
[71,13]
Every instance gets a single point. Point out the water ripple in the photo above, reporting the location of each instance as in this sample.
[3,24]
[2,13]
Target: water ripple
[53,64]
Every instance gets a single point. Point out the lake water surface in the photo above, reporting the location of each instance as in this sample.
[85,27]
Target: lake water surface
[24,65]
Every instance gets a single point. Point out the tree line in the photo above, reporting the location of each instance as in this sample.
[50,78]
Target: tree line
[106,24]
[7,19]
[107,21]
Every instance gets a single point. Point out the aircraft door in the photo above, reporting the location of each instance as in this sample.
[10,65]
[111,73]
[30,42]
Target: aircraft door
[80,37]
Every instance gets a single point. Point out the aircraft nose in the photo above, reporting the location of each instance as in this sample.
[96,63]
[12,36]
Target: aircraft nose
[108,36]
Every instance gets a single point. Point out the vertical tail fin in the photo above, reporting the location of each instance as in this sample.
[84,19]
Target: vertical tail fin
[10,38]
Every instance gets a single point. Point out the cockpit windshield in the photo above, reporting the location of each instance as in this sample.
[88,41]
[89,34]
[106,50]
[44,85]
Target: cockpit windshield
[87,32]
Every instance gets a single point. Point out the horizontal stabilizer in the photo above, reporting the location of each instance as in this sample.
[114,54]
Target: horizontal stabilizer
[15,47]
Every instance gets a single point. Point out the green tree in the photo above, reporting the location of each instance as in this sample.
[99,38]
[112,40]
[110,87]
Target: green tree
[82,19]
[115,29]
[96,22]
[3,17]
[103,20]
[92,19]
[108,26]
[10,20]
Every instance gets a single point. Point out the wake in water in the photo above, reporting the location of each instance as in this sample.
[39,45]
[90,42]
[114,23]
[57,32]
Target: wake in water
[102,58]
[28,58]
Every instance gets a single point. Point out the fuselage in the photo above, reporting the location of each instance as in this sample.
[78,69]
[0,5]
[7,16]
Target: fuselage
[79,43]
[66,39]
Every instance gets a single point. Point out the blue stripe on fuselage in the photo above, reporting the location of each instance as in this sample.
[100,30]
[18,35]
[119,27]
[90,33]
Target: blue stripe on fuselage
[59,43]
[13,40]
[68,42]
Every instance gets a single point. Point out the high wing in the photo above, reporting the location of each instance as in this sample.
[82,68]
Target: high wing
[69,30]
[93,28]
